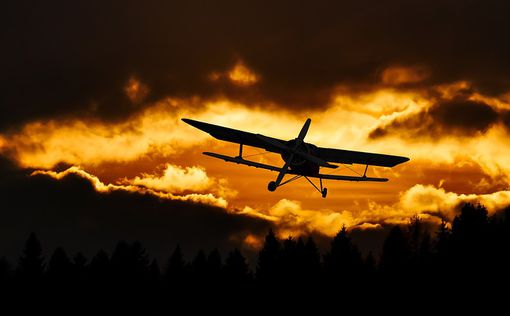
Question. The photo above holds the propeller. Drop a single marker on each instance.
(293, 151)
(304, 130)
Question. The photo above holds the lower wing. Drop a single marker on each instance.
(242, 161)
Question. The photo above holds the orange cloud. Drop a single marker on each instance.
(397, 75)
(239, 75)
(426, 201)
(254, 242)
(102, 187)
(3, 143)
(294, 209)
(291, 219)
(135, 90)
(242, 75)
(177, 179)
(429, 203)
(157, 130)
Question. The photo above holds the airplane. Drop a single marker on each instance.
(301, 159)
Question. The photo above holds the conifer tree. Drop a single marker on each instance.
(269, 259)
(31, 262)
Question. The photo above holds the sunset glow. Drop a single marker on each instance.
(419, 187)
(107, 107)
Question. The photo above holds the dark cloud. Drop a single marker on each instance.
(63, 58)
(506, 119)
(70, 213)
(447, 117)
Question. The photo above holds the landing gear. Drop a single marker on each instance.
(271, 186)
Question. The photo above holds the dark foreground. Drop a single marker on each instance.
(469, 261)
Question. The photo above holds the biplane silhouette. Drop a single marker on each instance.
(301, 159)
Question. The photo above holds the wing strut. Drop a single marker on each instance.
(322, 191)
(240, 151)
(365, 173)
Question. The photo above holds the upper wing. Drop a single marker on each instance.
(275, 145)
(237, 136)
(359, 157)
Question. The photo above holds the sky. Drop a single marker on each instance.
(92, 142)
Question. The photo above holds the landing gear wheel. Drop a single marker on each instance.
(271, 186)
(324, 192)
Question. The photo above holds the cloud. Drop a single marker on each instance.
(74, 59)
(74, 210)
(177, 179)
(430, 203)
(177, 171)
(56, 197)
(135, 90)
(291, 219)
(158, 129)
(206, 198)
(241, 75)
(461, 117)
(413, 124)
(399, 75)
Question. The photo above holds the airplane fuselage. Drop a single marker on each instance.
(299, 164)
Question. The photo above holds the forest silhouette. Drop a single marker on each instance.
(473, 249)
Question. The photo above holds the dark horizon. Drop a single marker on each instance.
(413, 259)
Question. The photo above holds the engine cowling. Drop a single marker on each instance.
(299, 163)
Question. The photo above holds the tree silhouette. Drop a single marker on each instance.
(59, 269)
(471, 225)
(290, 261)
(469, 240)
(370, 265)
(129, 265)
(214, 266)
(99, 268)
(395, 255)
(154, 278)
(474, 251)
(269, 259)
(416, 233)
(425, 253)
(31, 262)
(236, 269)
(175, 270)
(199, 270)
(311, 260)
(130, 277)
(419, 244)
(154, 271)
(443, 236)
(343, 261)
(5, 273)
(79, 268)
